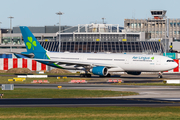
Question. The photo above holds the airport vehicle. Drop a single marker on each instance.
(97, 63)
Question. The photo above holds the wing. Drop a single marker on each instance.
(79, 63)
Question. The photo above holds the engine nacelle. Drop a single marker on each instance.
(134, 73)
(99, 70)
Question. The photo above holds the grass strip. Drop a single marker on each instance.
(92, 113)
(61, 93)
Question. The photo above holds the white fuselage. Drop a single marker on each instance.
(123, 62)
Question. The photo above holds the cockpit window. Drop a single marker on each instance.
(170, 60)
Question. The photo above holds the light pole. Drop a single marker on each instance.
(103, 19)
(0, 31)
(59, 13)
(10, 30)
(165, 33)
(0, 25)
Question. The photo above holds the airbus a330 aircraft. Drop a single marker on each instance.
(97, 63)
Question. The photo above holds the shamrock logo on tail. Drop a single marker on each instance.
(31, 43)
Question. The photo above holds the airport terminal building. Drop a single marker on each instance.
(84, 38)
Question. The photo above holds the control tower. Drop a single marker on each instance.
(158, 14)
(154, 27)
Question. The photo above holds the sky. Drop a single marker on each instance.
(43, 12)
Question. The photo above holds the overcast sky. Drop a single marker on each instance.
(42, 12)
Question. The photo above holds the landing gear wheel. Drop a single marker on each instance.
(85, 75)
(82, 75)
(159, 76)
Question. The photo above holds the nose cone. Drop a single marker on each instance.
(174, 65)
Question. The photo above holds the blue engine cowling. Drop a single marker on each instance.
(100, 70)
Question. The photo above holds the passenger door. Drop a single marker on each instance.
(127, 60)
(158, 61)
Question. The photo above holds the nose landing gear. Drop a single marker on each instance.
(160, 75)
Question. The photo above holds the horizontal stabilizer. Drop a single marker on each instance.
(25, 53)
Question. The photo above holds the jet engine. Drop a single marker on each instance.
(100, 70)
(134, 73)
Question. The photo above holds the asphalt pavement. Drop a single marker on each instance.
(86, 102)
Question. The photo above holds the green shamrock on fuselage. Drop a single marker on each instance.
(31, 43)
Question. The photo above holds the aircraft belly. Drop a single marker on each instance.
(137, 66)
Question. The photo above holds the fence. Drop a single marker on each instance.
(8, 63)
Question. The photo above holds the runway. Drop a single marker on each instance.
(86, 102)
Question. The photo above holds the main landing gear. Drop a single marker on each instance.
(160, 75)
(85, 75)
(89, 75)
